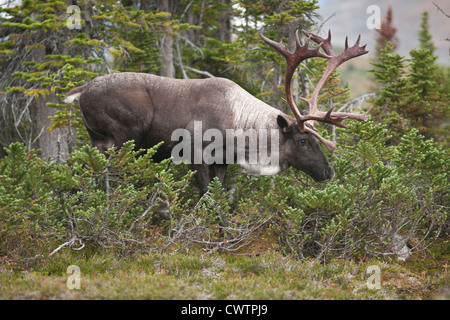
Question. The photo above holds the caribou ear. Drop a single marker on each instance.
(283, 124)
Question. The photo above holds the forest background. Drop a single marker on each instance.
(61, 200)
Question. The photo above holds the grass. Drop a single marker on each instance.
(196, 275)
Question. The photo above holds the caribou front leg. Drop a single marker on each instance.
(202, 177)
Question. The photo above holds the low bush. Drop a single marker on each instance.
(384, 200)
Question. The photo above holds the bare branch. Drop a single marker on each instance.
(205, 73)
(69, 243)
(440, 9)
(180, 61)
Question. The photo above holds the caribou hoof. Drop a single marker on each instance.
(164, 210)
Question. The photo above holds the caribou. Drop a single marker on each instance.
(148, 109)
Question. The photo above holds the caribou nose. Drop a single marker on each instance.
(325, 176)
(329, 174)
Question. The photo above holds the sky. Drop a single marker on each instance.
(349, 17)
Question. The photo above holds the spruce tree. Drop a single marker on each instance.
(35, 31)
(42, 59)
(425, 38)
(389, 74)
(424, 103)
(386, 33)
(256, 66)
(425, 107)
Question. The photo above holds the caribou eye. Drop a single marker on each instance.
(303, 141)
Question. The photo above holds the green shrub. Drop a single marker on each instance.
(382, 199)
(104, 200)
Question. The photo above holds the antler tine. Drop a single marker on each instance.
(326, 43)
(351, 52)
(330, 145)
(277, 45)
(293, 60)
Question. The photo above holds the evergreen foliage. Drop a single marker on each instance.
(389, 74)
(425, 38)
(391, 184)
(386, 33)
(380, 193)
(427, 103)
(412, 94)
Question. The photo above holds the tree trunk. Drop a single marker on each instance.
(52, 143)
(224, 21)
(168, 69)
(192, 34)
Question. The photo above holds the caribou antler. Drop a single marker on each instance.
(304, 52)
